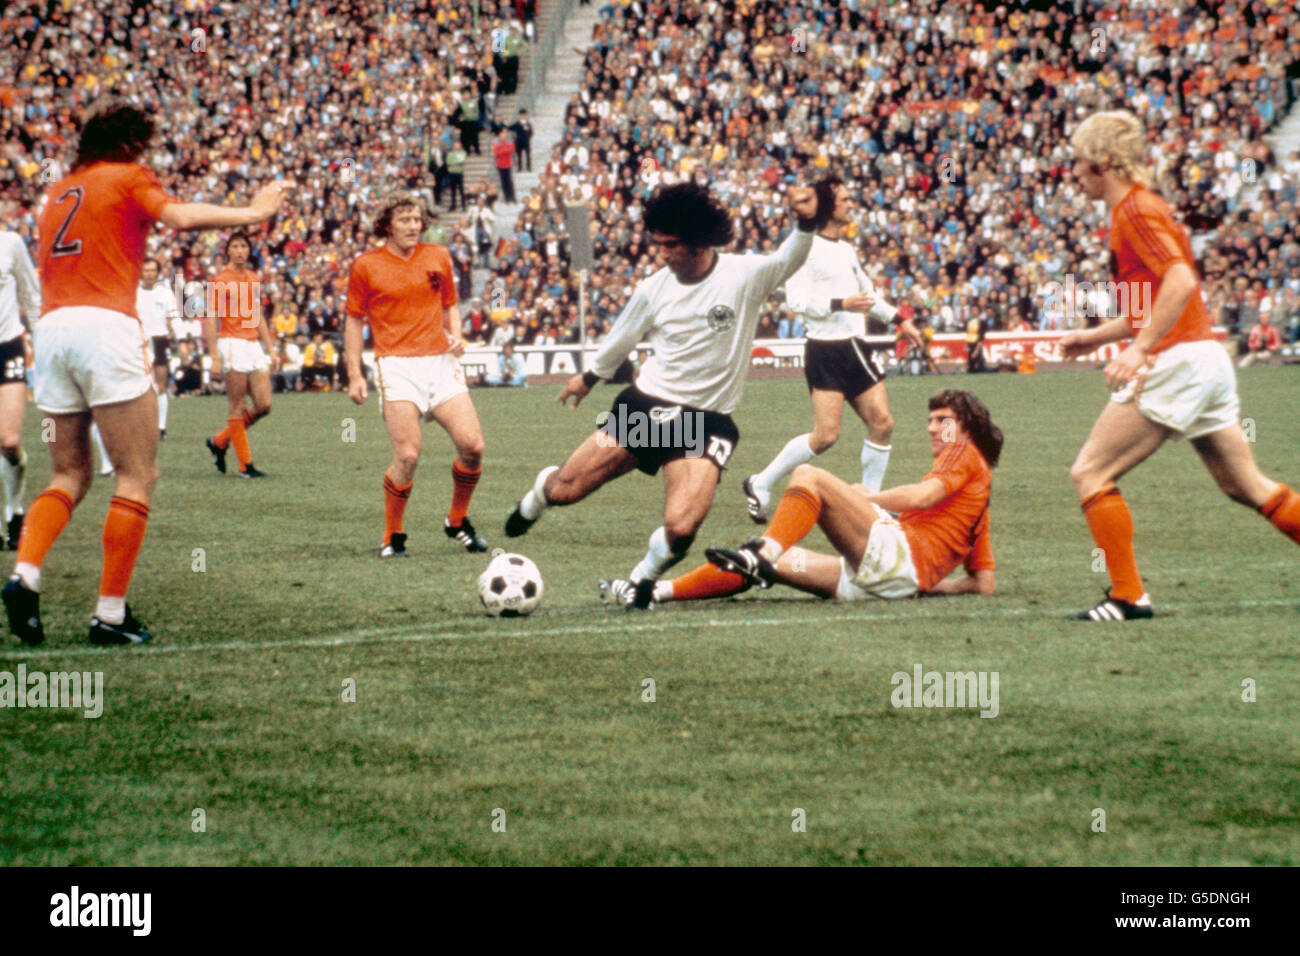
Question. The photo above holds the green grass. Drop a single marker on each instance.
(764, 703)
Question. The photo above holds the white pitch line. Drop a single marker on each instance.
(416, 633)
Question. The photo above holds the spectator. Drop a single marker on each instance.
(522, 128)
(1264, 341)
(510, 370)
(291, 355)
(187, 379)
(319, 361)
(456, 157)
(503, 151)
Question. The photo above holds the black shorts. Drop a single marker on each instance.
(848, 366)
(161, 350)
(657, 431)
(13, 366)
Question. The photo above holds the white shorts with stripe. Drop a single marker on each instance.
(88, 356)
(1190, 388)
(886, 571)
(424, 380)
(242, 355)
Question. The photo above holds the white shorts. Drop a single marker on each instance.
(424, 380)
(1190, 388)
(88, 356)
(242, 355)
(886, 571)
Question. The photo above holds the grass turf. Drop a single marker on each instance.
(764, 704)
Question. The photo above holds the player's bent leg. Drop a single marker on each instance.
(872, 407)
(828, 410)
(1121, 439)
(596, 461)
(1231, 461)
(458, 416)
(130, 432)
(809, 571)
(13, 460)
(259, 387)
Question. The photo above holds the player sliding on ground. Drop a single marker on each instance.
(235, 301)
(92, 360)
(943, 522)
(407, 289)
(833, 295)
(1172, 381)
(699, 313)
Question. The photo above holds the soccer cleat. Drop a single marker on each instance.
(757, 501)
(130, 631)
(396, 547)
(644, 597)
(218, 456)
(747, 561)
(249, 471)
(23, 606)
(465, 534)
(1113, 609)
(15, 530)
(516, 523)
(617, 591)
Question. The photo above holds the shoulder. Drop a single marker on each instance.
(1142, 206)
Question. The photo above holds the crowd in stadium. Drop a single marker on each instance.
(948, 122)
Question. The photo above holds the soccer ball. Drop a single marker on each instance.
(511, 586)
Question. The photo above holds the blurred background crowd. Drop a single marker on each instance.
(949, 123)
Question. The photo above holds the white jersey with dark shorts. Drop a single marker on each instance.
(18, 284)
(156, 307)
(702, 334)
(837, 357)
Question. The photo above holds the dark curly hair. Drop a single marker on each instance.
(115, 132)
(390, 205)
(689, 212)
(825, 190)
(973, 415)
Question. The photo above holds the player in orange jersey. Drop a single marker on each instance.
(235, 300)
(407, 291)
(1172, 381)
(943, 522)
(92, 358)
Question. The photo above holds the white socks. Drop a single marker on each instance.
(795, 453)
(657, 560)
(875, 459)
(29, 574)
(111, 610)
(534, 503)
(162, 415)
(15, 481)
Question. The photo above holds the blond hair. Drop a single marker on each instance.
(1115, 137)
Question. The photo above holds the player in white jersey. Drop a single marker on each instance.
(156, 304)
(834, 294)
(18, 284)
(699, 313)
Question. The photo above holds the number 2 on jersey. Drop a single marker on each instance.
(73, 248)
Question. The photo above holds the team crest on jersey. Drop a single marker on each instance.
(721, 318)
(435, 280)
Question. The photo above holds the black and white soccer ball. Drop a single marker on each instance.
(511, 586)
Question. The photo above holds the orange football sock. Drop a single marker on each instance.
(706, 581)
(795, 516)
(222, 438)
(1112, 529)
(239, 438)
(1282, 510)
(463, 483)
(395, 497)
(123, 533)
(46, 518)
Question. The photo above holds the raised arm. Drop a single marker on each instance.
(188, 216)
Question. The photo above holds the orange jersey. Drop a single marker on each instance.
(956, 530)
(1145, 242)
(92, 232)
(235, 298)
(405, 299)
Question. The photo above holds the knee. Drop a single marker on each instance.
(559, 491)
(408, 456)
(680, 529)
(471, 453)
(823, 438)
(1087, 480)
(805, 476)
(261, 409)
(10, 445)
(882, 428)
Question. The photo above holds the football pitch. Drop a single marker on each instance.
(751, 731)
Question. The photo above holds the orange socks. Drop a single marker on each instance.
(395, 497)
(795, 516)
(1282, 510)
(462, 489)
(239, 439)
(46, 518)
(706, 581)
(1112, 529)
(222, 438)
(123, 533)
